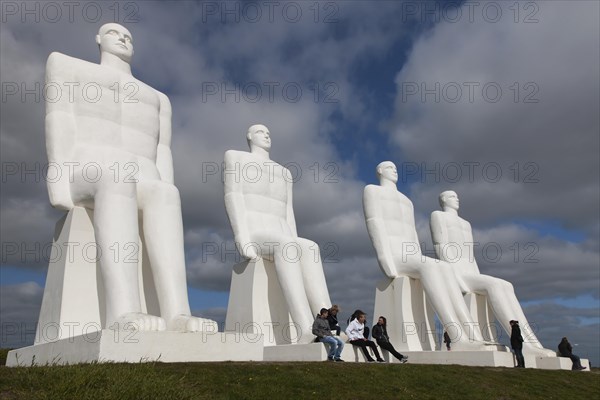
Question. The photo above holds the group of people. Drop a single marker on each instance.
(358, 335)
(564, 348)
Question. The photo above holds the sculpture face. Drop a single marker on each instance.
(259, 136)
(450, 200)
(115, 39)
(387, 170)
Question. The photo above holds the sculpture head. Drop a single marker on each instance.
(386, 170)
(258, 136)
(115, 39)
(449, 200)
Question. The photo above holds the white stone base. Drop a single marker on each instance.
(311, 352)
(133, 347)
(468, 358)
(559, 363)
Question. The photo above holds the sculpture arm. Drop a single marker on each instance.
(60, 137)
(439, 233)
(164, 157)
(378, 233)
(236, 209)
(290, 206)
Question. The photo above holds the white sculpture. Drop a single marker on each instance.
(111, 140)
(391, 225)
(258, 200)
(453, 242)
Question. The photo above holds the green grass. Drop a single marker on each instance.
(291, 381)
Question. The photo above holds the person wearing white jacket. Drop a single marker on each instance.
(355, 332)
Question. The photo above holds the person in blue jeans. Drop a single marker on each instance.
(323, 333)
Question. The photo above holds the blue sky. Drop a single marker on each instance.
(499, 104)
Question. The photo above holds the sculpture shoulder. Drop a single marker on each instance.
(234, 155)
(165, 103)
(437, 215)
(65, 62)
(371, 190)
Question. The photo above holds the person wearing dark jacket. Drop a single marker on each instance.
(334, 325)
(321, 330)
(447, 340)
(380, 334)
(566, 350)
(516, 342)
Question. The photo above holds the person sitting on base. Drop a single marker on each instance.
(323, 333)
(355, 332)
(383, 340)
(334, 325)
(566, 350)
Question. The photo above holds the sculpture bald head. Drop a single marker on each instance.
(386, 170)
(449, 199)
(259, 136)
(115, 39)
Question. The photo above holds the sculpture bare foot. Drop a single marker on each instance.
(188, 323)
(136, 321)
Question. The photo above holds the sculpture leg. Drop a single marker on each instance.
(290, 278)
(314, 276)
(163, 234)
(444, 293)
(116, 230)
(506, 307)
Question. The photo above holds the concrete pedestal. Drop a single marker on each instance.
(410, 317)
(257, 305)
(134, 346)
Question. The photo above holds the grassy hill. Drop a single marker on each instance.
(292, 381)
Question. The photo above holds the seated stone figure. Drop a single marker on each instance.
(113, 147)
(258, 200)
(391, 225)
(453, 242)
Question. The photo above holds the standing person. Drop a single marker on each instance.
(516, 342)
(447, 340)
(355, 332)
(321, 329)
(334, 325)
(383, 340)
(566, 350)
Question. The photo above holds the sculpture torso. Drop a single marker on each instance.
(264, 185)
(120, 124)
(457, 247)
(397, 214)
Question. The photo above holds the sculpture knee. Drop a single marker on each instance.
(501, 284)
(158, 192)
(107, 186)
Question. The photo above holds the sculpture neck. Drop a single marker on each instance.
(259, 151)
(451, 211)
(110, 60)
(388, 184)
